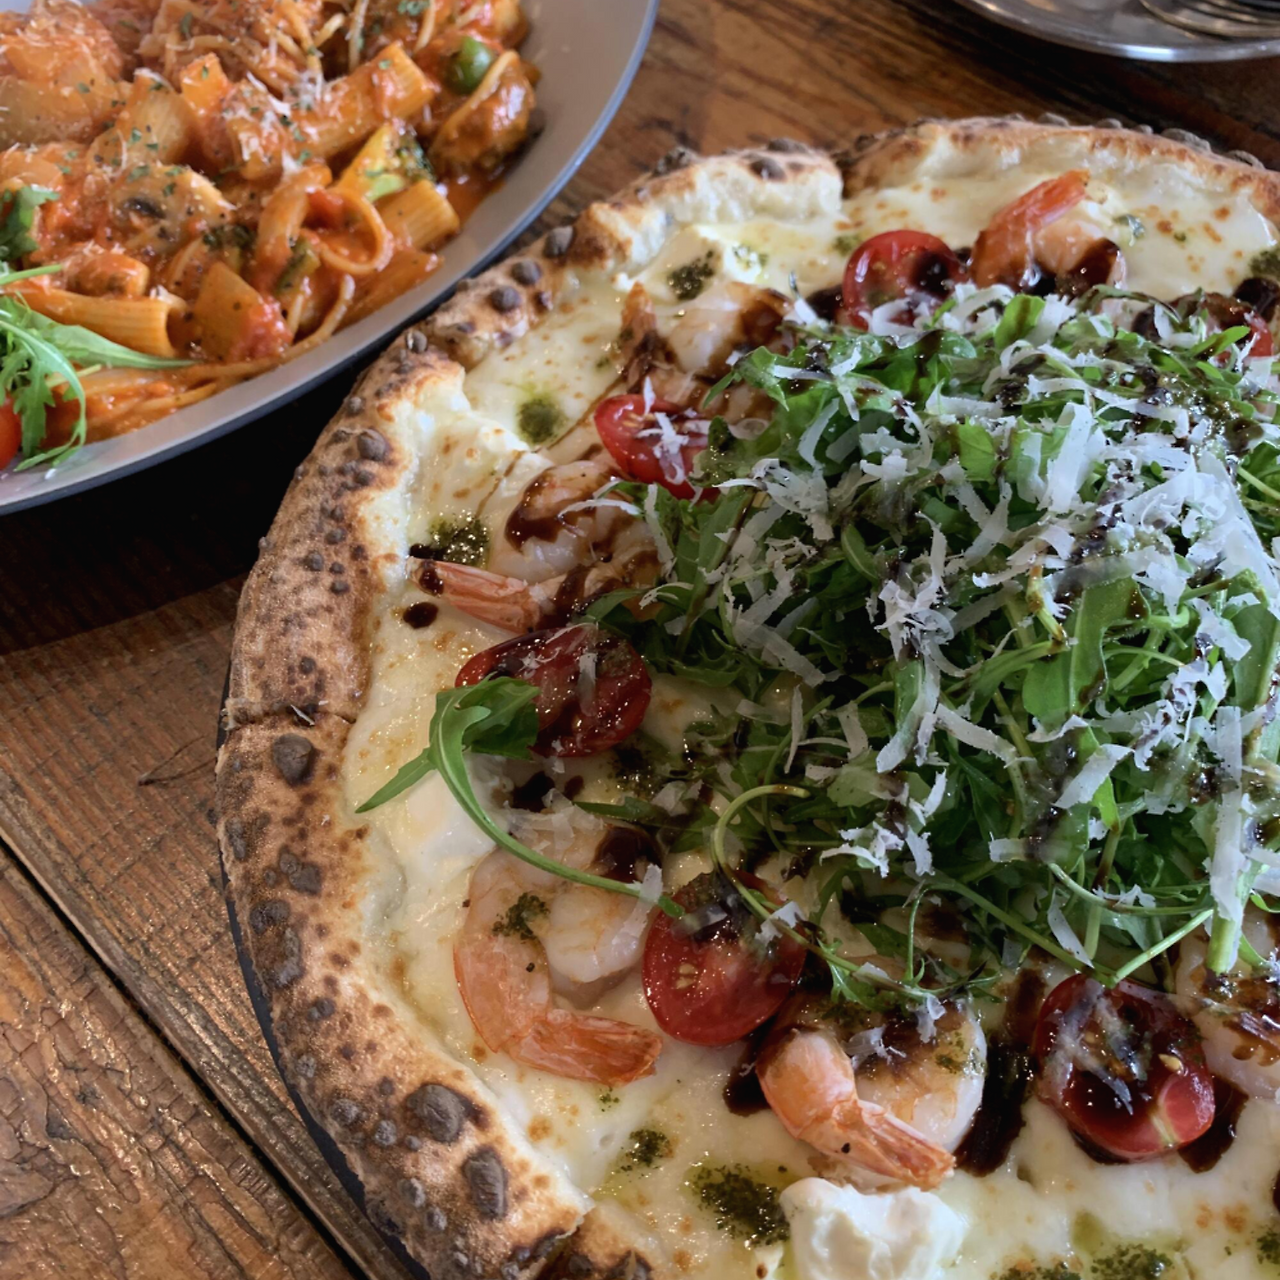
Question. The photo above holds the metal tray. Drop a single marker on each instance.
(588, 52)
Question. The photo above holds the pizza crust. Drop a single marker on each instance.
(442, 1166)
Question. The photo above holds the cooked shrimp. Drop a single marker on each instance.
(645, 355)
(1035, 233)
(560, 551)
(518, 606)
(518, 940)
(895, 1110)
(1237, 1013)
(711, 327)
(556, 523)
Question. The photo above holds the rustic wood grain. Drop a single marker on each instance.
(112, 1161)
(116, 607)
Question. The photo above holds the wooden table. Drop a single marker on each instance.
(144, 1132)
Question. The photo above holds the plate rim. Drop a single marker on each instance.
(1207, 49)
(62, 484)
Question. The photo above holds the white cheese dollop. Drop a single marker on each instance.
(839, 1233)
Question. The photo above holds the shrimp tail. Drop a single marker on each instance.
(810, 1085)
(881, 1143)
(582, 1047)
(509, 603)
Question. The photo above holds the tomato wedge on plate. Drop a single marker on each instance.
(593, 687)
(648, 449)
(1123, 1068)
(710, 977)
(10, 433)
(912, 266)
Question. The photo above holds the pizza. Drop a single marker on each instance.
(751, 743)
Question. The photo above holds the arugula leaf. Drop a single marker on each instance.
(39, 357)
(17, 217)
(1060, 686)
(495, 717)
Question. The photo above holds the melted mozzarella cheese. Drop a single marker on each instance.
(1049, 1202)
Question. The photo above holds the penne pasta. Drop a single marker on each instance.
(420, 216)
(139, 323)
(357, 104)
(234, 320)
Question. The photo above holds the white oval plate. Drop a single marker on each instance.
(588, 52)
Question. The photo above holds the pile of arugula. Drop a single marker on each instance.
(41, 359)
(992, 615)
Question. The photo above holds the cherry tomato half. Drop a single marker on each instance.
(1223, 312)
(918, 268)
(644, 451)
(1228, 313)
(593, 687)
(1123, 1068)
(710, 978)
(10, 434)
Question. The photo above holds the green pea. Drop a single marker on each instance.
(469, 64)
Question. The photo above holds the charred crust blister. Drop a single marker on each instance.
(345, 1112)
(266, 915)
(486, 1177)
(444, 1112)
(767, 168)
(372, 445)
(557, 242)
(504, 298)
(525, 272)
(676, 158)
(294, 756)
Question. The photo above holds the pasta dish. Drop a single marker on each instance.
(193, 191)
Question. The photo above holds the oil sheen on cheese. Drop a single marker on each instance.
(1049, 1203)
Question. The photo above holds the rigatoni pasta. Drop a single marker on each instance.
(228, 181)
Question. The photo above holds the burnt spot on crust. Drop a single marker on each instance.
(372, 445)
(242, 836)
(443, 1111)
(767, 168)
(385, 1133)
(504, 298)
(412, 1192)
(345, 1112)
(293, 756)
(676, 158)
(355, 406)
(267, 915)
(785, 146)
(289, 969)
(415, 340)
(522, 1255)
(321, 1009)
(303, 876)
(525, 272)
(557, 242)
(314, 561)
(486, 1177)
